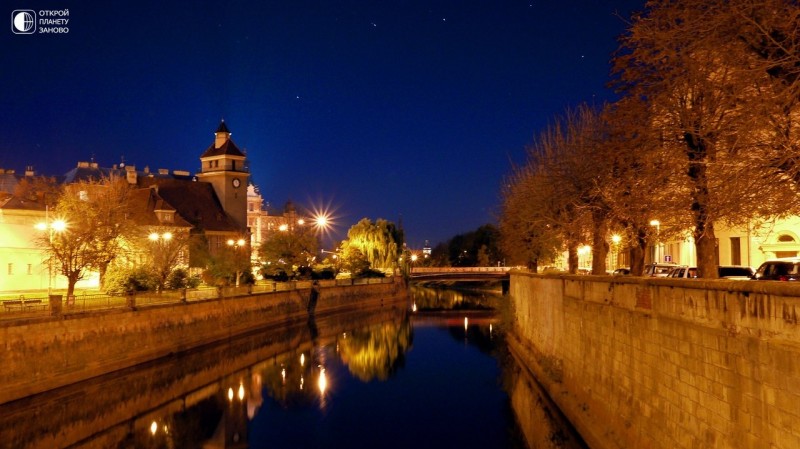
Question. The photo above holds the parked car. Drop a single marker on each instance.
(658, 270)
(683, 272)
(621, 272)
(735, 272)
(779, 270)
(724, 272)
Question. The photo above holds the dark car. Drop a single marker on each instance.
(735, 272)
(779, 270)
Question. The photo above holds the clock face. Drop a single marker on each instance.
(236, 182)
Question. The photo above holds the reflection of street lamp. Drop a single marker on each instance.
(657, 224)
(236, 244)
(55, 226)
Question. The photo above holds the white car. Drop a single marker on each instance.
(658, 270)
(724, 272)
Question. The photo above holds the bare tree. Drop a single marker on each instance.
(698, 82)
(165, 248)
(525, 236)
(96, 217)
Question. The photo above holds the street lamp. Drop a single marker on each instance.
(51, 227)
(155, 236)
(615, 239)
(236, 244)
(657, 224)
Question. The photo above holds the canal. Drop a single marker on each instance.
(438, 376)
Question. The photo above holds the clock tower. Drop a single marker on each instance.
(223, 165)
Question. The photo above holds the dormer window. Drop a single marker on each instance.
(165, 216)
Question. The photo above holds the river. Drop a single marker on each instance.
(436, 377)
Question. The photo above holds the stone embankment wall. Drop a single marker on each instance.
(48, 352)
(662, 363)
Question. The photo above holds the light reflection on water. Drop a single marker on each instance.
(387, 379)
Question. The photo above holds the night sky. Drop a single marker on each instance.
(411, 110)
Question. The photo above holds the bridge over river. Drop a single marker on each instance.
(462, 274)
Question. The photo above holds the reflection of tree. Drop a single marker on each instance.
(447, 299)
(376, 352)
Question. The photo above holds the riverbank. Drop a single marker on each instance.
(664, 363)
(47, 352)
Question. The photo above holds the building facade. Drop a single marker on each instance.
(211, 204)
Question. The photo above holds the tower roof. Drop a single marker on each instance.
(222, 127)
(226, 149)
(223, 145)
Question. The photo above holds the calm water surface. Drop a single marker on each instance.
(434, 378)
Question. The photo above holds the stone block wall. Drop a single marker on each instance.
(43, 353)
(663, 363)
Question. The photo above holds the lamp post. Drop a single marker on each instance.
(51, 227)
(657, 224)
(236, 244)
(615, 239)
(162, 255)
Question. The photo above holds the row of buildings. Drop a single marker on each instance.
(219, 202)
(751, 245)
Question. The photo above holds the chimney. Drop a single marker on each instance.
(130, 174)
(29, 171)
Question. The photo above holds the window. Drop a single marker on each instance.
(30, 269)
(786, 238)
(736, 251)
(10, 268)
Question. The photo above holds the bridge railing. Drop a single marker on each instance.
(429, 270)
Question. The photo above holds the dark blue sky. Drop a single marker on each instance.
(411, 109)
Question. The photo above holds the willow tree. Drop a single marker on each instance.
(379, 242)
(683, 60)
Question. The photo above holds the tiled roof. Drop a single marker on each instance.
(195, 202)
(144, 203)
(8, 201)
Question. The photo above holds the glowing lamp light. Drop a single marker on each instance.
(616, 238)
(230, 394)
(322, 383)
(240, 393)
(153, 427)
(283, 227)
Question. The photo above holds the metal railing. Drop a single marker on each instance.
(19, 306)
